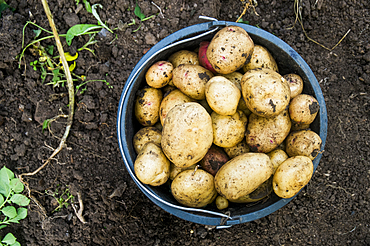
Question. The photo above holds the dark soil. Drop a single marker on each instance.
(332, 210)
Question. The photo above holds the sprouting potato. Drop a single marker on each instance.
(159, 74)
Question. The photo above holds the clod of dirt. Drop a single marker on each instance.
(71, 19)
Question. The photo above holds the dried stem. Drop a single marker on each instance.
(71, 101)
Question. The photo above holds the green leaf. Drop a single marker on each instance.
(1, 199)
(16, 185)
(3, 6)
(22, 213)
(241, 21)
(9, 211)
(45, 124)
(16, 244)
(96, 15)
(138, 12)
(3, 226)
(78, 30)
(50, 49)
(9, 239)
(37, 33)
(5, 172)
(88, 6)
(20, 200)
(4, 188)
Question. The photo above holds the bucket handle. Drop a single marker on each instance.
(226, 217)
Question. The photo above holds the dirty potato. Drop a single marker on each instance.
(191, 80)
(304, 143)
(295, 83)
(230, 49)
(147, 105)
(292, 175)
(238, 149)
(187, 134)
(159, 74)
(183, 57)
(145, 135)
(265, 92)
(214, 159)
(261, 58)
(303, 109)
(277, 156)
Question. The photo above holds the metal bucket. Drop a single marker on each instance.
(289, 61)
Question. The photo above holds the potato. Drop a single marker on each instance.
(202, 55)
(167, 89)
(261, 58)
(151, 165)
(238, 149)
(258, 194)
(194, 188)
(184, 57)
(295, 83)
(214, 159)
(191, 80)
(265, 92)
(292, 175)
(265, 134)
(221, 202)
(147, 105)
(228, 130)
(222, 95)
(297, 126)
(303, 109)
(304, 143)
(174, 98)
(277, 157)
(242, 175)
(187, 134)
(145, 135)
(235, 78)
(230, 49)
(159, 74)
(174, 170)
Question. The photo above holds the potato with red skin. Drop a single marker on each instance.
(214, 160)
(265, 92)
(303, 109)
(145, 135)
(183, 57)
(202, 56)
(230, 49)
(295, 83)
(147, 106)
(292, 175)
(303, 143)
(191, 80)
(265, 134)
(159, 74)
(261, 58)
(174, 98)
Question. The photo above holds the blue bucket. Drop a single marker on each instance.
(289, 61)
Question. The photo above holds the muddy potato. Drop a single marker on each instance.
(151, 165)
(242, 175)
(228, 130)
(147, 105)
(277, 156)
(174, 98)
(304, 143)
(261, 58)
(191, 80)
(194, 188)
(238, 149)
(174, 170)
(265, 92)
(222, 95)
(258, 194)
(295, 84)
(265, 134)
(184, 57)
(297, 126)
(292, 175)
(303, 109)
(221, 203)
(159, 74)
(187, 134)
(145, 135)
(214, 159)
(230, 49)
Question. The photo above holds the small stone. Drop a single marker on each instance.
(150, 39)
(71, 19)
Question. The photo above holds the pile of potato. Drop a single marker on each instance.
(221, 122)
